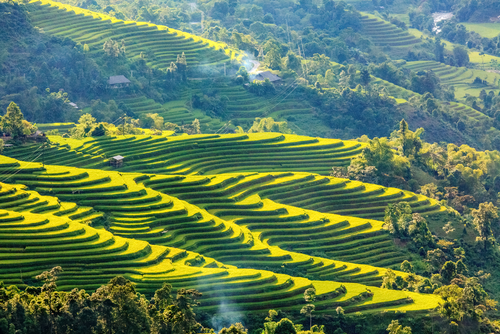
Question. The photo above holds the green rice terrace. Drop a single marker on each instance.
(242, 106)
(61, 127)
(173, 112)
(489, 30)
(162, 44)
(260, 212)
(461, 78)
(386, 34)
(200, 154)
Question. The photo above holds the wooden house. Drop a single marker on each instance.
(116, 161)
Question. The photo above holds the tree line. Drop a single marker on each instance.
(118, 308)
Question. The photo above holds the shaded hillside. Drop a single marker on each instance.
(159, 44)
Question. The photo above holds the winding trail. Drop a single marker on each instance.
(438, 17)
(255, 64)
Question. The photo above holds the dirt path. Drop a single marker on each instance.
(438, 17)
(255, 64)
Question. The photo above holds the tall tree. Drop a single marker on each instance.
(292, 62)
(397, 214)
(124, 308)
(285, 326)
(448, 271)
(180, 316)
(395, 328)
(51, 300)
(461, 56)
(309, 297)
(365, 77)
(273, 58)
(112, 48)
(182, 66)
(410, 143)
(12, 122)
(439, 50)
(234, 329)
(484, 217)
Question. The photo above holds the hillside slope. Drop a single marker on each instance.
(43, 231)
(461, 78)
(386, 34)
(199, 154)
(161, 44)
(160, 219)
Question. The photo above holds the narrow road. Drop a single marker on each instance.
(440, 17)
(255, 64)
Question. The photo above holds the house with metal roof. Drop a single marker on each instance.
(267, 75)
(116, 161)
(118, 81)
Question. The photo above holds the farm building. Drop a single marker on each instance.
(118, 81)
(267, 75)
(116, 161)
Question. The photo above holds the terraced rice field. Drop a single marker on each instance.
(242, 107)
(383, 33)
(161, 43)
(392, 89)
(239, 195)
(474, 56)
(61, 127)
(488, 30)
(304, 190)
(42, 227)
(246, 106)
(402, 94)
(466, 112)
(460, 77)
(173, 112)
(263, 203)
(200, 154)
(90, 257)
(146, 214)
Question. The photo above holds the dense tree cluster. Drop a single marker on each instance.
(464, 182)
(42, 74)
(466, 303)
(457, 33)
(212, 103)
(453, 31)
(14, 125)
(117, 308)
(33, 62)
(113, 308)
(464, 176)
(352, 113)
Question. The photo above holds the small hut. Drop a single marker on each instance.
(116, 161)
(267, 75)
(118, 81)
